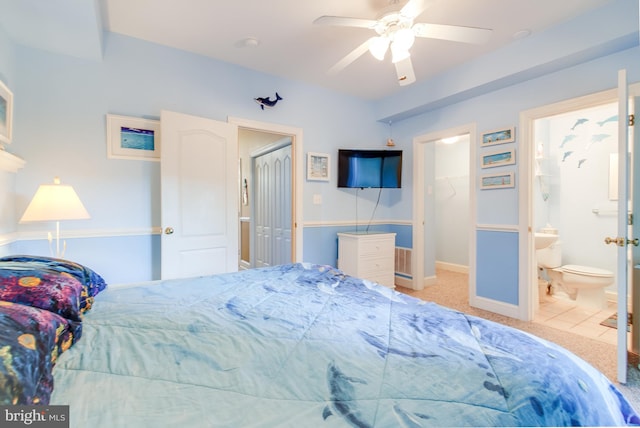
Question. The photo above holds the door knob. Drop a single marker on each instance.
(168, 231)
(618, 241)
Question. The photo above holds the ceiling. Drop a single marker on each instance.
(287, 42)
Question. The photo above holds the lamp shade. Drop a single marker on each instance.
(54, 202)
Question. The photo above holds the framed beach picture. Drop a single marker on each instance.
(499, 158)
(497, 181)
(318, 166)
(499, 136)
(6, 113)
(133, 138)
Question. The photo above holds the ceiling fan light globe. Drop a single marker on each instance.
(404, 38)
(378, 47)
(398, 54)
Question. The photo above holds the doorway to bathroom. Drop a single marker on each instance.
(574, 181)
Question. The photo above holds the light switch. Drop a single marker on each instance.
(317, 199)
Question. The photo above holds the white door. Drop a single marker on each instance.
(273, 188)
(199, 196)
(263, 202)
(625, 227)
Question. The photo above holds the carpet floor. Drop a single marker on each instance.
(452, 290)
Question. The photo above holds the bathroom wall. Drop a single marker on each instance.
(572, 183)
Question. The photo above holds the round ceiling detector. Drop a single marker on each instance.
(250, 42)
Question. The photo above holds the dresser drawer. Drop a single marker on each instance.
(374, 266)
(376, 248)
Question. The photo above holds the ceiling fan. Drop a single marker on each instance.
(396, 32)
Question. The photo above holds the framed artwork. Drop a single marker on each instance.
(318, 166)
(6, 113)
(499, 158)
(497, 181)
(499, 136)
(133, 138)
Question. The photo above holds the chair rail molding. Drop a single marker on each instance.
(10, 162)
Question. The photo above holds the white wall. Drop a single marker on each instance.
(576, 168)
(452, 202)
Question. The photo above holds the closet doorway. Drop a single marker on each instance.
(444, 205)
(269, 184)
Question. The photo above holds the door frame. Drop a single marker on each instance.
(527, 266)
(417, 253)
(297, 174)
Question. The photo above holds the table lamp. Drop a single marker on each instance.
(55, 202)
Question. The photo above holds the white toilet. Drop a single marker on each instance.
(583, 284)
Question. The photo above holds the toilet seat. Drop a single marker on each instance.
(587, 271)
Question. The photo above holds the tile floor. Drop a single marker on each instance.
(564, 314)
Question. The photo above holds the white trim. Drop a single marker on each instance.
(351, 223)
(297, 149)
(429, 281)
(403, 282)
(418, 215)
(495, 306)
(498, 227)
(8, 238)
(85, 233)
(10, 162)
(452, 267)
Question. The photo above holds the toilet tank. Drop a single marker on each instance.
(550, 257)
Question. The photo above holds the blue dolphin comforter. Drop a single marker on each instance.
(307, 346)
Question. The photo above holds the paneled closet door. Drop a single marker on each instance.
(273, 187)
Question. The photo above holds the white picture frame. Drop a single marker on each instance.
(6, 114)
(498, 158)
(497, 181)
(499, 136)
(133, 138)
(318, 166)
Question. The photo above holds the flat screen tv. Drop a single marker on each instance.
(370, 168)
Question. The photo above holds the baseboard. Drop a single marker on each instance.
(452, 267)
(408, 282)
(494, 306)
(403, 281)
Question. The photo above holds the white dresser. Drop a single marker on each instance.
(368, 255)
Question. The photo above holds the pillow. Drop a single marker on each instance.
(52, 291)
(32, 339)
(92, 282)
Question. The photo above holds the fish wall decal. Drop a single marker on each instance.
(566, 155)
(568, 138)
(579, 122)
(610, 119)
(267, 102)
(596, 139)
(580, 162)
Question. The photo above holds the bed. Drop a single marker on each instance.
(306, 345)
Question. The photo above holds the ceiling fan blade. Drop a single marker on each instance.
(453, 32)
(404, 71)
(413, 8)
(350, 57)
(343, 21)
